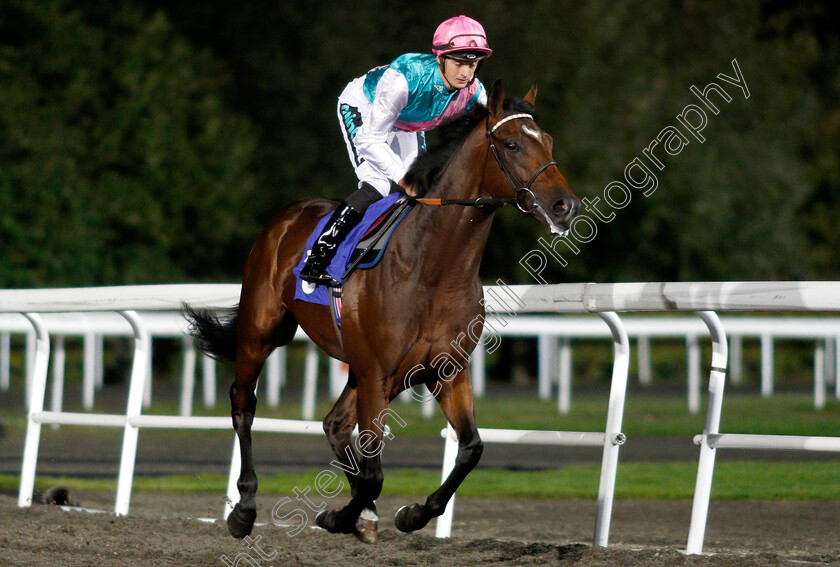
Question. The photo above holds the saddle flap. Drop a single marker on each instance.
(368, 251)
(363, 247)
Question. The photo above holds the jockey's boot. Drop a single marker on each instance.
(323, 251)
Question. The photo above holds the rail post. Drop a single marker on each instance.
(614, 438)
(706, 464)
(139, 376)
(37, 393)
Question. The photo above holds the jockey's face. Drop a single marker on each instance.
(456, 74)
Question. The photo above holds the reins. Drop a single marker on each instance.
(521, 189)
(479, 202)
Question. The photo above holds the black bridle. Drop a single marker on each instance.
(522, 190)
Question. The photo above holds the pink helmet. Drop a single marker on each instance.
(461, 38)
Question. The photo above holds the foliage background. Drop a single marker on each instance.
(144, 141)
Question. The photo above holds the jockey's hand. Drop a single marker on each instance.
(408, 188)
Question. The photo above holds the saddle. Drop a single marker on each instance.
(362, 249)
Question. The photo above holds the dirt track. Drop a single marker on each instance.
(162, 531)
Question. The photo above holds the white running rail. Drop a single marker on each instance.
(603, 299)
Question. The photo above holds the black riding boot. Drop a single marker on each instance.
(346, 216)
(323, 251)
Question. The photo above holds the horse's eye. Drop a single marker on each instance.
(511, 147)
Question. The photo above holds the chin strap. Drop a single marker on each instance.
(442, 70)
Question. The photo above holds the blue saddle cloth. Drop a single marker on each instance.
(385, 213)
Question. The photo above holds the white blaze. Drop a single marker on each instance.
(532, 132)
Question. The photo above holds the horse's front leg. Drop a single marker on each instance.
(367, 467)
(456, 400)
(243, 407)
(338, 426)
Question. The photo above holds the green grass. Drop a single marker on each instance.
(732, 481)
(644, 414)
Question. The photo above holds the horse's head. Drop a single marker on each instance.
(523, 164)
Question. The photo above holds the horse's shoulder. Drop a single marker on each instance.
(314, 207)
(298, 216)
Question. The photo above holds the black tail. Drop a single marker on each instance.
(214, 335)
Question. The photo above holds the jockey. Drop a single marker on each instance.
(383, 115)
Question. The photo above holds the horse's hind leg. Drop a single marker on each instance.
(338, 425)
(456, 400)
(243, 403)
(254, 344)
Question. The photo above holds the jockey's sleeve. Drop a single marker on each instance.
(371, 139)
(482, 96)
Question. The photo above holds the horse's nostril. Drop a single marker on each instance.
(563, 207)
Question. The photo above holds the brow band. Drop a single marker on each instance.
(508, 118)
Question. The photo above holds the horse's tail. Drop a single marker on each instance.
(214, 335)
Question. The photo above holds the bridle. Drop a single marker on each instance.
(522, 190)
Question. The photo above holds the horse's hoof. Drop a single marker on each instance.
(367, 525)
(335, 521)
(326, 520)
(321, 519)
(241, 521)
(410, 518)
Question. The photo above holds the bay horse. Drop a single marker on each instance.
(397, 317)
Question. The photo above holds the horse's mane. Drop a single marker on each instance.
(450, 135)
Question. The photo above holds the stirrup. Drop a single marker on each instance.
(318, 276)
(326, 279)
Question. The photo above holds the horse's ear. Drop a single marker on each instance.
(496, 98)
(531, 96)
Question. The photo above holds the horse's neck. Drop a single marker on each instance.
(450, 239)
